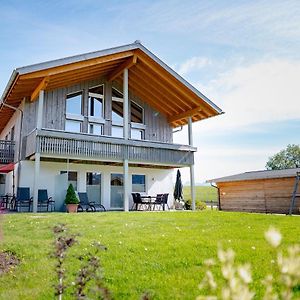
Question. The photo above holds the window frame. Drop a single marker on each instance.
(139, 174)
(75, 117)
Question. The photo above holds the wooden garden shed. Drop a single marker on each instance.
(268, 191)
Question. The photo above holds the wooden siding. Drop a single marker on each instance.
(157, 126)
(69, 145)
(267, 195)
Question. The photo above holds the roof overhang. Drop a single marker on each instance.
(149, 78)
(258, 175)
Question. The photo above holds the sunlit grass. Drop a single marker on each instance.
(158, 252)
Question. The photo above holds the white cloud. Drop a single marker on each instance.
(192, 64)
(262, 92)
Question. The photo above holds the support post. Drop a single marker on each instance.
(125, 135)
(192, 169)
(126, 184)
(37, 164)
(125, 105)
(39, 123)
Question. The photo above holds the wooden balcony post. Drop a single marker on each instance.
(192, 170)
(39, 122)
(125, 135)
(125, 105)
(37, 164)
(126, 184)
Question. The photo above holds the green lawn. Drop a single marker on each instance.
(203, 193)
(158, 252)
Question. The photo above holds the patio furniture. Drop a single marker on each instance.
(89, 206)
(161, 200)
(44, 201)
(23, 198)
(7, 202)
(139, 200)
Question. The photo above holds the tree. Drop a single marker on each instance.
(285, 159)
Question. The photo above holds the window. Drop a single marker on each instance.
(12, 133)
(72, 178)
(96, 103)
(74, 104)
(137, 134)
(138, 183)
(117, 106)
(136, 118)
(93, 186)
(96, 129)
(137, 113)
(73, 126)
(116, 191)
(74, 117)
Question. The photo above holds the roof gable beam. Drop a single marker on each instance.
(184, 115)
(42, 85)
(78, 65)
(126, 65)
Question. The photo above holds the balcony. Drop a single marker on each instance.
(7, 152)
(59, 144)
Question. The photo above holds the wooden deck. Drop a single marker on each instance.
(51, 143)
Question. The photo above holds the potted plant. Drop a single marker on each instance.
(71, 200)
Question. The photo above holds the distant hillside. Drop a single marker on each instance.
(203, 193)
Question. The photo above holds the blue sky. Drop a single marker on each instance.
(244, 55)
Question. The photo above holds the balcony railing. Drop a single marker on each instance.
(7, 152)
(82, 146)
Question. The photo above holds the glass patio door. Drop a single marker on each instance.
(116, 191)
(93, 187)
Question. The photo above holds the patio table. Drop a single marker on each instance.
(151, 199)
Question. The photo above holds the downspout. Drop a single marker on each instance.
(219, 199)
(20, 137)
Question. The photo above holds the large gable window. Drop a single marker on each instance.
(136, 117)
(96, 110)
(74, 116)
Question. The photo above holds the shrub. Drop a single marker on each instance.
(71, 197)
(199, 204)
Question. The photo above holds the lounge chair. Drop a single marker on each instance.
(23, 198)
(44, 201)
(89, 206)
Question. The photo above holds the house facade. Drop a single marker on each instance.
(103, 121)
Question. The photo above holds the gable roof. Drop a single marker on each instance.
(149, 78)
(255, 175)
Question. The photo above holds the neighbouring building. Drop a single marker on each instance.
(102, 121)
(268, 191)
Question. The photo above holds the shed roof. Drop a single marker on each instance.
(255, 175)
(149, 78)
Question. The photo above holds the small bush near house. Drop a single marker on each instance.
(199, 205)
(71, 197)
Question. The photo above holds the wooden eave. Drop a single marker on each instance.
(149, 79)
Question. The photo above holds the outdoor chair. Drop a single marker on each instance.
(139, 201)
(89, 206)
(44, 201)
(161, 200)
(158, 201)
(23, 198)
(165, 201)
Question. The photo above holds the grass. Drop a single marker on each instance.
(203, 193)
(158, 252)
